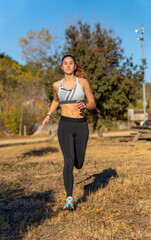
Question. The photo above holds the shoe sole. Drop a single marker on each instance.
(69, 208)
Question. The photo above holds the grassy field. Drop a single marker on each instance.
(112, 192)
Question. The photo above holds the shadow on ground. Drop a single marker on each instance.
(100, 181)
(18, 212)
(40, 152)
(145, 139)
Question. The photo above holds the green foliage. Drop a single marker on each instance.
(114, 80)
(19, 91)
(11, 118)
(105, 123)
(8, 72)
(139, 104)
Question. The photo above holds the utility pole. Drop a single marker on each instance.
(143, 64)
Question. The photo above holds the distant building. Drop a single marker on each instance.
(137, 115)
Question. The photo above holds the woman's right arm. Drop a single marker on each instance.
(54, 103)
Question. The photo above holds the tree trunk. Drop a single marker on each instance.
(25, 130)
(100, 131)
(21, 122)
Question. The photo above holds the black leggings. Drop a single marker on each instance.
(73, 135)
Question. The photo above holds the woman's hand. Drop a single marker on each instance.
(45, 121)
(81, 105)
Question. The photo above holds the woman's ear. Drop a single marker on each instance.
(75, 67)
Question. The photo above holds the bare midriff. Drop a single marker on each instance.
(71, 110)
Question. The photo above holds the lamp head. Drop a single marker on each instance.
(137, 30)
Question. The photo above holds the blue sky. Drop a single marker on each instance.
(17, 17)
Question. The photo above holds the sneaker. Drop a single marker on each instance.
(69, 204)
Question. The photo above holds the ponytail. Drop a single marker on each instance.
(80, 72)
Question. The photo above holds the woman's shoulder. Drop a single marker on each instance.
(56, 84)
(82, 81)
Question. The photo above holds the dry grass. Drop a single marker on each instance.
(112, 193)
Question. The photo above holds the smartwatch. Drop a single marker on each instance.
(85, 105)
(49, 114)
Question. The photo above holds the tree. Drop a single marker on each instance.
(41, 58)
(11, 77)
(113, 78)
(20, 96)
(36, 47)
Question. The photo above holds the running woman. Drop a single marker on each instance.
(73, 130)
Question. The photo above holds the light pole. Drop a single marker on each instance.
(143, 64)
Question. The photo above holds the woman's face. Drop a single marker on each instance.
(68, 65)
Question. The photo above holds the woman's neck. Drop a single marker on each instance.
(69, 77)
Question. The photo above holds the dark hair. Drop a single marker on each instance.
(68, 55)
(79, 71)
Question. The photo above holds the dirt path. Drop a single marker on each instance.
(25, 140)
(28, 140)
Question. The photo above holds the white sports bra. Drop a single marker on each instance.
(68, 96)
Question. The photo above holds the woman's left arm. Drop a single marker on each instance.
(89, 95)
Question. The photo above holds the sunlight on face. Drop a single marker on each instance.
(68, 60)
(68, 65)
